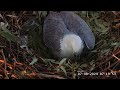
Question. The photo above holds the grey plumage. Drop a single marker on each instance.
(56, 25)
(53, 31)
(77, 25)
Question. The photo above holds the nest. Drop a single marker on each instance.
(35, 62)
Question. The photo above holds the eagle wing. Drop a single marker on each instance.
(53, 31)
(77, 25)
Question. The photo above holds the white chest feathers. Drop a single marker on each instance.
(71, 44)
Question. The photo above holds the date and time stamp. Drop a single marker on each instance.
(95, 73)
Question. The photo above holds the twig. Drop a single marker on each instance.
(46, 75)
(110, 66)
(113, 63)
(108, 59)
(116, 57)
(114, 12)
(50, 76)
(5, 63)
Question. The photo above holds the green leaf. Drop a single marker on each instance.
(115, 44)
(33, 61)
(93, 67)
(44, 13)
(62, 61)
(92, 62)
(63, 69)
(4, 32)
(51, 60)
(84, 12)
(84, 65)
